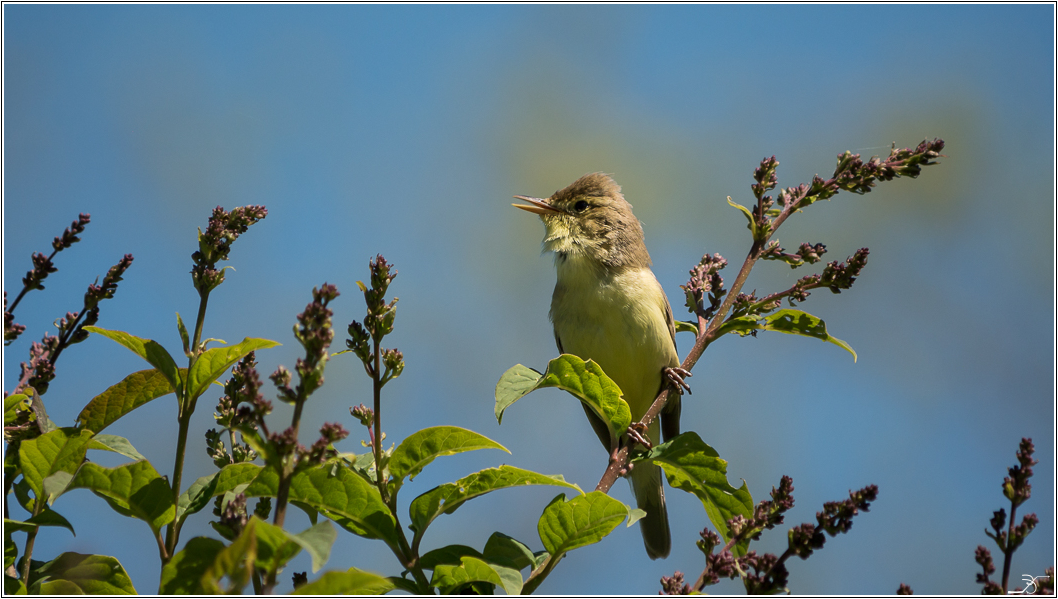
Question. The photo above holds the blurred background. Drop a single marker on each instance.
(405, 130)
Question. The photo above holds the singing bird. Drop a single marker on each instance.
(609, 307)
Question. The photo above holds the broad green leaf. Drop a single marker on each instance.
(317, 541)
(581, 521)
(693, 466)
(134, 489)
(449, 578)
(61, 450)
(449, 554)
(274, 546)
(76, 573)
(50, 517)
(585, 380)
(446, 498)
(13, 404)
(350, 582)
(116, 444)
(507, 551)
(183, 574)
(149, 350)
(212, 363)
(235, 475)
(353, 503)
(234, 562)
(10, 549)
(749, 216)
(404, 584)
(421, 447)
(791, 322)
(132, 392)
(196, 497)
(13, 586)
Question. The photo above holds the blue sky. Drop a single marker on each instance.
(404, 130)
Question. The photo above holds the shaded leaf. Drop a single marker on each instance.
(183, 574)
(420, 448)
(212, 363)
(317, 541)
(149, 350)
(686, 326)
(584, 380)
(77, 573)
(449, 554)
(135, 490)
(274, 546)
(116, 444)
(196, 497)
(693, 466)
(446, 498)
(61, 450)
(350, 582)
(353, 503)
(449, 578)
(581, 521)
(507, 551)
(234, 562)
(121, 398)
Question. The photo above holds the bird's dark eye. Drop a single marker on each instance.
(580, 206)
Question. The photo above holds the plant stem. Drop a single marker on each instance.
(186, 409)
(1008, 552)
(376, 385)
(31, 539)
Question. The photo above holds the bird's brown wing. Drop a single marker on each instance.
(670, 416)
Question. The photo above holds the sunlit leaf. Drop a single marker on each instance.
(350, 582)
(149, 350)
(581, 521)
(135, 490)
(212, 363)
(420, 448)
(132, 392)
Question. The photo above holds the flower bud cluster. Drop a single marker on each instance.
(213, 245)
(364, 339)
(705, 279)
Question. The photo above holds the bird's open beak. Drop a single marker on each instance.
(538, 206)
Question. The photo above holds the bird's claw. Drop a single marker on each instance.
(638, 434)
(676, 376)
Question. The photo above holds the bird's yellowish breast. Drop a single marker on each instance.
(618, 320)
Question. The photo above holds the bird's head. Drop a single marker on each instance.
(591, 218)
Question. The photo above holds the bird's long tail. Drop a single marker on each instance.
(650, 497)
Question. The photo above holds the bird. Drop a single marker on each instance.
(609, 307)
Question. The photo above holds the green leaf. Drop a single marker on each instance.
(134, 489)
(132, 392)
(196, 497)
(686, 326)
(149, 350)
(353, 503)
(585, 380)
(507, 551)
(446, 498)
(749, 216)
(184, 339)
(61, 450)
(212, 363)
(236, 475)
(693, 466)
(77, 573)
(235, 562)
(792, 322)
(50, 517)
(13, 405)
(183, 574)
(421, 447)
(449, 554)
(116, 444)
(317, 541)
(581, 521)
(274, 546)
(350, 582)
(450, 578)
